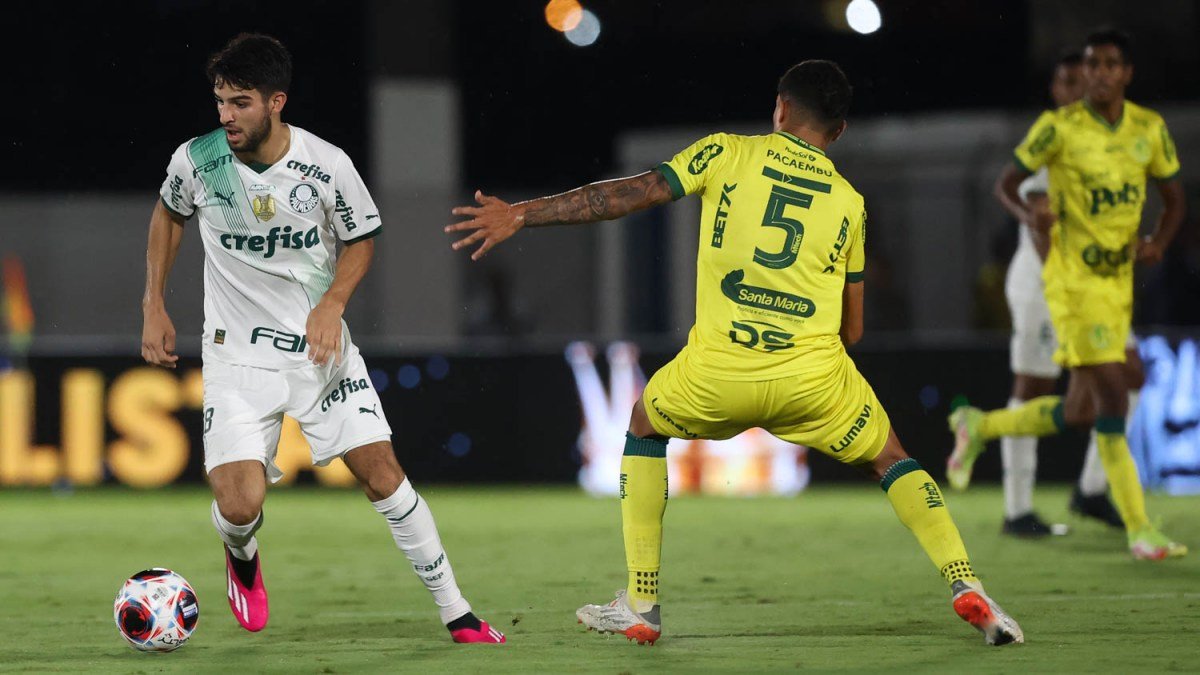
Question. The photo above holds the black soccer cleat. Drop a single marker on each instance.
(1028, 525)
(1098, 507)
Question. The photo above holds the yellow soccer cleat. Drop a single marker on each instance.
(964, 423)
(1150, 544)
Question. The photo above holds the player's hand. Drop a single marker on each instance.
(1041, 219)
(1150, 251)
(324, 333)
(493, 221)
(158, 338)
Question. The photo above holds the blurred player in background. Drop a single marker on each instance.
(1031, 354)
(779, 296)
(1099, 152)
(274, 201)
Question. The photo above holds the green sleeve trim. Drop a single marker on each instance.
(168, 207)
(1169, 177)
(370, 235)
(897, 471)
(645, 447)
(1020, 164)
(855, 277)
(1110, 425)
(672, 180)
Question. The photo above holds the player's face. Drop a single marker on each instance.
(1067, 85)
(245, 114)
(1106, 73)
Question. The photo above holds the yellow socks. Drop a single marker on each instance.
(1037, 417)
(643, 502)
(1122, 473)
(919, 504)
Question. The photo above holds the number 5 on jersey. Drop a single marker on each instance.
(774, 216)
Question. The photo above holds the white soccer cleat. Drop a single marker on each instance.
(618, 617)
(964, 422)
(976, 608)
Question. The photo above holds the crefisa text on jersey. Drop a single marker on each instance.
(310, 170)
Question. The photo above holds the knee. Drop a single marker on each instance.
(382, 484)
(639, 422)
(240, 511)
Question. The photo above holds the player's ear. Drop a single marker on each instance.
(837, 133)
(781, 112)
(276, 102)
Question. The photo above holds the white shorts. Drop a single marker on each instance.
(337, 408)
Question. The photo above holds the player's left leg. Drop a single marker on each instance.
(375, 467)
(1090, 497)
(921, 507)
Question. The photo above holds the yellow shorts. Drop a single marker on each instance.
(834, 411)
(1092, 323)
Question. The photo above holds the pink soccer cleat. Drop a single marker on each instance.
(249, 605)
(485, 634)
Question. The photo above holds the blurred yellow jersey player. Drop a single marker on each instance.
(779, 295)
(1098, 176)
(781, 233)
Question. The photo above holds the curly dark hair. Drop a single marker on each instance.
(252, 61)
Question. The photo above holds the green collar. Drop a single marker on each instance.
(1100, 118)
(258, 167)
(802, 144)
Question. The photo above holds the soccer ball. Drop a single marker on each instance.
(156, 610)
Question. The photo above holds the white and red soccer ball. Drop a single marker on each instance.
(156, 610)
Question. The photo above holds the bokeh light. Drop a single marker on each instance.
(587, 32)
(863, 16)
(563, 15)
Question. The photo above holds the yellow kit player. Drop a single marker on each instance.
(1099, 152)
(779, 295)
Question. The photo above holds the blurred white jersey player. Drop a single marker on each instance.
(1031, 356)
(273, 203)
(752, 463)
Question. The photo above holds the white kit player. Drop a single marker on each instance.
(1032, 350)
(273, 202)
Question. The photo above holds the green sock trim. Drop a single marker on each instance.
(897, 471)
(1060, 422)
(645, 447)
(1110, 425)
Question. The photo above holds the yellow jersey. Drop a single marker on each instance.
(1097, 185)
(781, 232)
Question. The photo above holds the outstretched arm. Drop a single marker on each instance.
(495, 220)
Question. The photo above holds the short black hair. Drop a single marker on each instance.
(820, 88)
(1112, 36)
(252, 61)
(1069, 58)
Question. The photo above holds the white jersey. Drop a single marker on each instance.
(270, 238)
(1025, 270)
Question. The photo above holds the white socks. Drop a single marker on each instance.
(1018, 455)
(1093, 481)
(416, 534)
(239, 538)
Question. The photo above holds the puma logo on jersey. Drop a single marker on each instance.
(228, 199)
(368, 410)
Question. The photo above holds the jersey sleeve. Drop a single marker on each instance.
(1164, 162)
(856, 258)
(353, 214)
(1037, 184)
(1041, 144)
(178, 193)
(688, 172)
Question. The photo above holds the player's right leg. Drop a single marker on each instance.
(921, 507)
(242, 421)
(239, 489)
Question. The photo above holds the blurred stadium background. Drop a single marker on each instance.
(519, 369)
(434, 98)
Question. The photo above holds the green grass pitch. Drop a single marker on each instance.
(828, 581)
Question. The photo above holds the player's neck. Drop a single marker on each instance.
(809, 135)
(1111, 111)
(271, 150)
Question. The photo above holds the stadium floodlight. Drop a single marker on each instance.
(863, 16)
(563, 15)
(586, 32)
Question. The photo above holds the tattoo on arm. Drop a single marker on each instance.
(604, 200)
